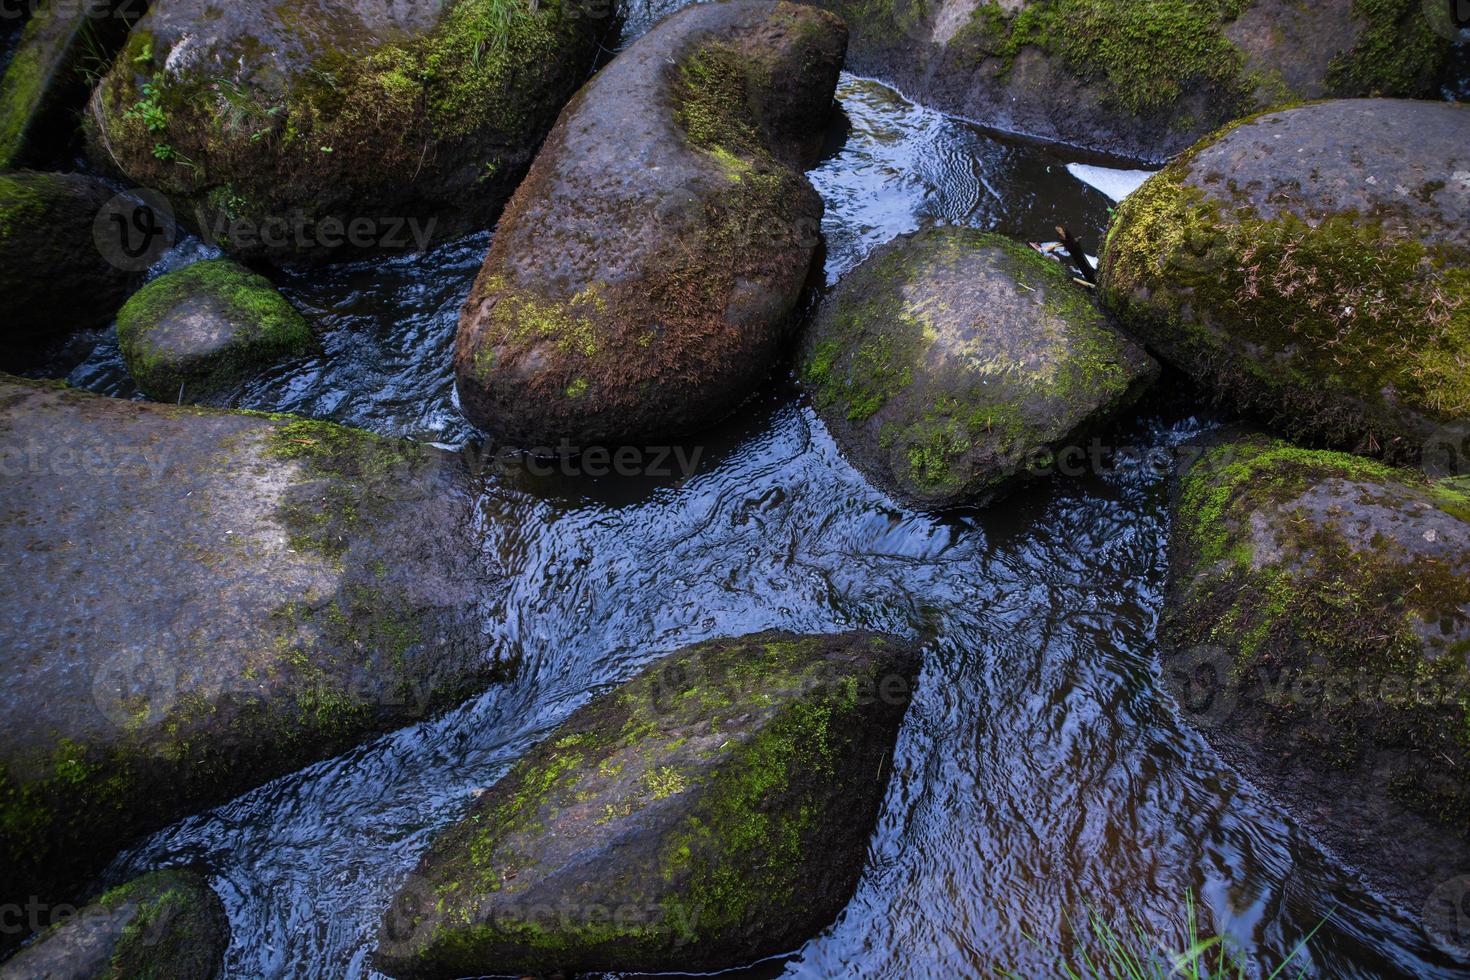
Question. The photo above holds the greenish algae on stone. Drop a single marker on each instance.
(201, 601)
(953, 364)
(711, 811)
(644, 278)
(166, 925)
(1330, 298)
(280, 125)
(206, 327)
(1318, 630)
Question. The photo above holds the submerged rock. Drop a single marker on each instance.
(193, 333)
(54, 279)
(714, 810)
(1312, 266)
(1143, 79)
(46, 83)
(644, 276)
(1318, 631)
(305, 130)
(167, 923)
(197, 601)
(952, 364)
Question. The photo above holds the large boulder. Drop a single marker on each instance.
(1318, 632)
(306, 130)
(164, 924)
(195, 333)
(197, 601)
(952, 364)
(46, 84)
(54, 277)
(1143, 78)
(714, 810)
(1312, 266)
(643, 278)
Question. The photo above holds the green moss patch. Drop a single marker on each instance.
(1349, 647)
(258, 327)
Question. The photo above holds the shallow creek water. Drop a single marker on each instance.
(1041, 772)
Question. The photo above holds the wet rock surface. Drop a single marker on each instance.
(195, 333)
(711, 811)
(168, 924)
(304, 131)
(953, 364)
(197, 601)
(1312, 266)
(644, 277)
(1317, 631)
(54, 279)
(1142, 80)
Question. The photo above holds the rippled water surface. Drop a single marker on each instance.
(1040, 773)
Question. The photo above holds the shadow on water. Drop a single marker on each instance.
(1040, 773)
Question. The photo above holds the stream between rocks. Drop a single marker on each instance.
(1041, 771)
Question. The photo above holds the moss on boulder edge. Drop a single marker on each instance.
(1318, 630)
(1331, 297)
(204, 328)
(268, 116)
(952, 363)
(53, 278)
(713, 810)
(199, 601)
(166, 925)
(643, 278)
(1141, 78)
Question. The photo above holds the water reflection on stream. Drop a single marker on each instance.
(1040, 772)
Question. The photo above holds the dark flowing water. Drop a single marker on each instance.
(1041, 772)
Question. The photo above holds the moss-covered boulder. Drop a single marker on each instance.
(1318, 631)
(643, 278)
(46, 83)
(195, 333)
(54, 278)
(196, 601)
(164, 924)
(1312, 266)
(1143, 78)
(952, 364)
(302, 130)
(714, 810)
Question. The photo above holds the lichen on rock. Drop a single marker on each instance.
(713, 810)
(310, 117)
(953, 363)
(643, 278)
(1333, 303)
(200, 330)
(1318, 629)
(166, 925)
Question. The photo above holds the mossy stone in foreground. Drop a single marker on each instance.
(1312, 266)
(644, 276)
(167, 925)
(1318, 630)
(53, 277)
(713, 810)
(197, 601)
(952, 363)
(206, 327)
